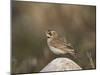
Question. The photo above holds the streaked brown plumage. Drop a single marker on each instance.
(57, 45)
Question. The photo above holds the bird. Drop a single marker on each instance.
(57, 45)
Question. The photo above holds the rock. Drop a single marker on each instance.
(61, 64)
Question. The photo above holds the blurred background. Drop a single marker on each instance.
(30, 20)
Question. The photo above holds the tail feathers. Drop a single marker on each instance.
(75, 55)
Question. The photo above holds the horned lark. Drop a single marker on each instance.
(57, 45)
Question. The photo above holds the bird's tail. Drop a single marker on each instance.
(75, 55)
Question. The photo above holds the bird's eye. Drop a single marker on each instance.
(50, 33)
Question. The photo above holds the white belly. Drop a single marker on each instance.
(56, 51)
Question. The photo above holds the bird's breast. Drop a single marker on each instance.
(56, 50)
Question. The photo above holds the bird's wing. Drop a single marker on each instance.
(69, 46)
(61, 44)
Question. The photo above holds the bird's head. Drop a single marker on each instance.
(51, 34)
